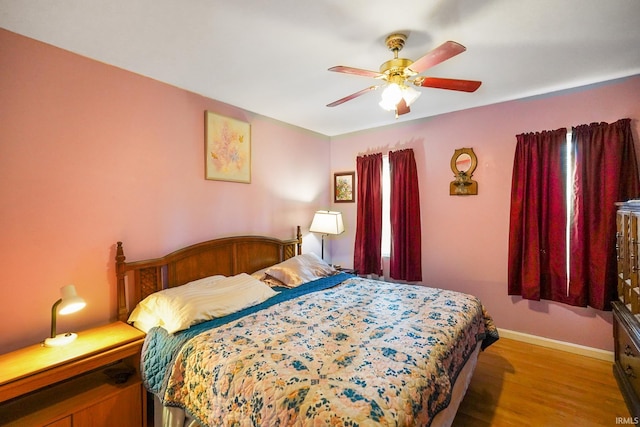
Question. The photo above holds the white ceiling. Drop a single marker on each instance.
(271, 57)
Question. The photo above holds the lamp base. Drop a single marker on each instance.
(60, 340)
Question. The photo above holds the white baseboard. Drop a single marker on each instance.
(582, 350)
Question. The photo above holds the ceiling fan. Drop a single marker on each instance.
(399, 72)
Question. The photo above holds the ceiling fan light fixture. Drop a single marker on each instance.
(410, 94)
(387, 105)
(393, 93)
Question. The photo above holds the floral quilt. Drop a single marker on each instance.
(363, 353)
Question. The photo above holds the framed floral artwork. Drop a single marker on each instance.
(227, 149)
(343, 187)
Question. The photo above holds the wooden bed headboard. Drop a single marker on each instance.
(227, 256)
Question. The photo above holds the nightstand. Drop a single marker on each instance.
(346, 270)
(94, 380)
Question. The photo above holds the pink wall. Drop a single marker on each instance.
(464, 239)
(91, 154)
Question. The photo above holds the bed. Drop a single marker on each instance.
(282, 338)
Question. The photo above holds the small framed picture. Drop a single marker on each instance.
(343, 187)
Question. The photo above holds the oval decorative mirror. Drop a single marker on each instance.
(463, 164)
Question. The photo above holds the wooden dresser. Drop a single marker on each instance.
(93, 381)
(626, 311)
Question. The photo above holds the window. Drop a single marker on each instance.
(562, 220)
(386, 208)
(402, 217)
(569, 201)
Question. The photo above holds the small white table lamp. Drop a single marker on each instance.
(327, 222)
(69, 303)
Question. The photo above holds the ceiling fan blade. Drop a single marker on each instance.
(450, 84)
(402, 108)
(353, 95)
(440, 54)
(356, 71)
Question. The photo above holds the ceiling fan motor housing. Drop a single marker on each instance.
(396, 68)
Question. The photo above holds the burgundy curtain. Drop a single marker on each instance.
(606, 172)
(406, 259)
(367, 256)
(537, 260)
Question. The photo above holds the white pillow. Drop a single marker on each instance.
(301, 269)
(178, 308)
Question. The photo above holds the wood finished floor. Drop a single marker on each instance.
(520, 384)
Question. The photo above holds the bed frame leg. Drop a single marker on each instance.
(123, 311)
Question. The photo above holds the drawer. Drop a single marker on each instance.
(91, 399)
(628, 358)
